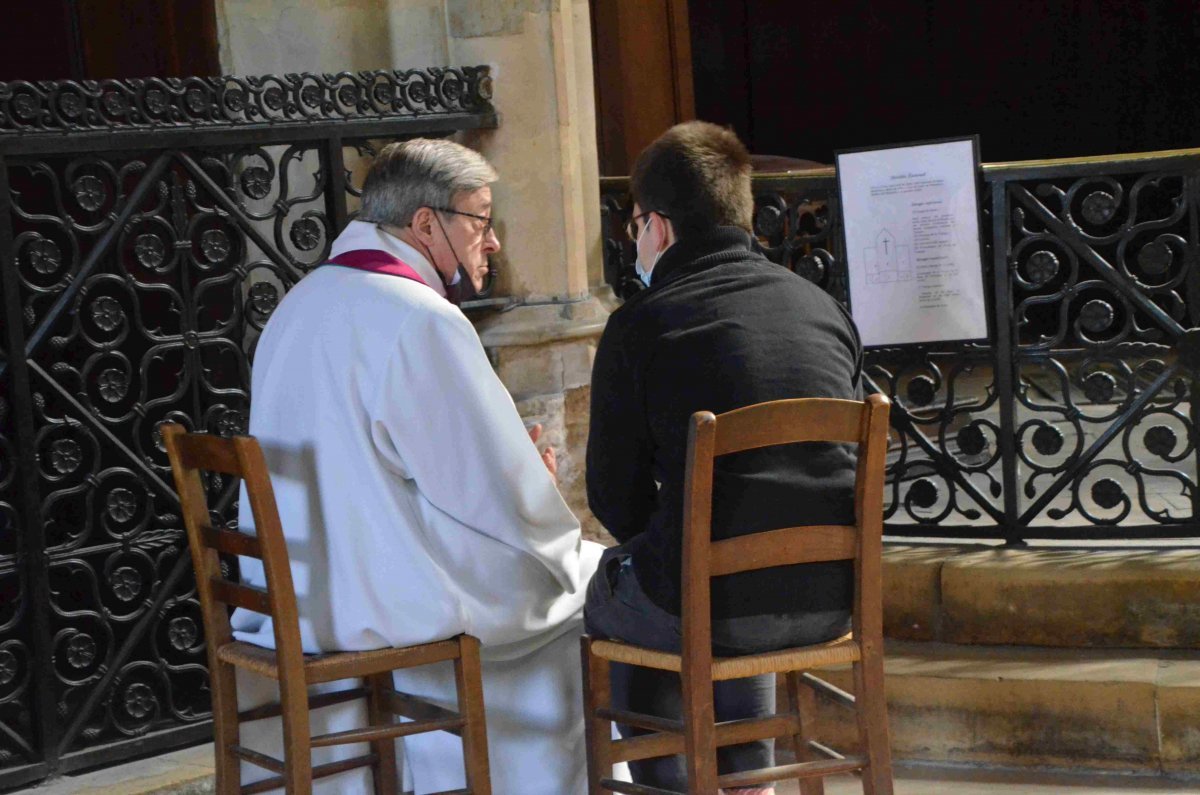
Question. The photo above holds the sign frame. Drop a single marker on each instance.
(978, 262)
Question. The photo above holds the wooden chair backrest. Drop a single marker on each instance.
(241, 457)
(864, 423)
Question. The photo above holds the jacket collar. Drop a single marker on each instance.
(713, 246)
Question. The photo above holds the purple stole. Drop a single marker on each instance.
(375, 261)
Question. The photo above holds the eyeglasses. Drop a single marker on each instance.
(487, 219)
(631, 224)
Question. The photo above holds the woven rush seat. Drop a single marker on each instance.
(840, 650)
(331, 666)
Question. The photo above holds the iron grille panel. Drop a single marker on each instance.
(149, 229)
(1076, 420)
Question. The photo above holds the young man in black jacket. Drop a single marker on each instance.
(718, 327)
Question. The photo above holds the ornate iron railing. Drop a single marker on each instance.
(148, 228)
(1077, 420)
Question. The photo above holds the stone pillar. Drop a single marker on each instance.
(547, 203)
(548, 210)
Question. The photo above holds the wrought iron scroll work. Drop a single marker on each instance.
(144, 247)
(1103, 284)
(1077, 421)
(212, 102)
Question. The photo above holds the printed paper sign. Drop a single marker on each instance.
(911, 219)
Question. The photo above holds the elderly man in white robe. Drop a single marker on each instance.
(414, 503)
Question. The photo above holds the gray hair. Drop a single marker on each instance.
(423, 172)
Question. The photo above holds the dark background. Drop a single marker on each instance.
(1034, 79)
(794, 78)
(97, 39)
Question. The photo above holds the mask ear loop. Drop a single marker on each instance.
(429, 254)
(647, 275)
(453, 293)
(457, 261)
(457, 290)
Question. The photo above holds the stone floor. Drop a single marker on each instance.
(185, 772)
(189, 772)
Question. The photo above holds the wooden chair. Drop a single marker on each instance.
(293, 670)
(697, 735)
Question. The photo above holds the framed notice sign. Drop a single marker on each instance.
(911, 219)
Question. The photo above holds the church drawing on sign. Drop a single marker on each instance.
(887, 262)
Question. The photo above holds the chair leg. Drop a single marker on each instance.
(597, 695)
(468, 677)
(700, 737)
(384, 770)
(297, 737)
(803, 702)
(871, 711)
(223, 685)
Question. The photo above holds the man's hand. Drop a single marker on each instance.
(549, 457)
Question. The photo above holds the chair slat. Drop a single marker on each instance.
(319, 771)
(416, 708)
(825, 750)
(315, 701)
(821, 768)
(811, 544)
(367, 734)
(238, 595)
(831, 692)
(746, 730)
(232, 543)
(210, 453)
(732, 732)
(641, 721)
(257, 759)
(629, 788)
(788, 422)
(645, 746)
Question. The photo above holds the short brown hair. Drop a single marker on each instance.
(698, 175)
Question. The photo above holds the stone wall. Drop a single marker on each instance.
(278, 36)
(548, 203)
(544, 356)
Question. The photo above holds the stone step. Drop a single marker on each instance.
(190, 773)
(1100, 598)
(1022, 706)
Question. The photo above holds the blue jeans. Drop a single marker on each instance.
(617, 608)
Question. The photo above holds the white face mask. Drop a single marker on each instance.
(644, 273)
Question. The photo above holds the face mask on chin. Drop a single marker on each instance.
(461, 288)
